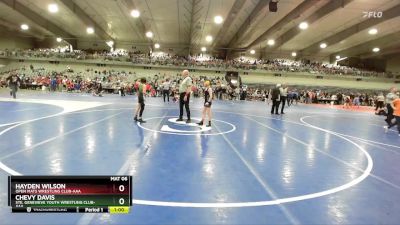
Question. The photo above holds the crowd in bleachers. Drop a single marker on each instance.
(121, 82)
(137, 57)
(90, 80)
(317, 96)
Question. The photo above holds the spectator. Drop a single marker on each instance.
(166, 86)
(283, 96)
(275, 97)
(13, 83)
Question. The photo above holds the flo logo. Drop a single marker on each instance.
(170, 125)
(372, 14)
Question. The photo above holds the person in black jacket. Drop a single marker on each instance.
(275, 97)
(13, 83)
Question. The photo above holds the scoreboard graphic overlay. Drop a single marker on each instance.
(69, 194)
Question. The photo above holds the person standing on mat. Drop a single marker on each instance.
(380, 100)
(166, 86)
(208, 96)
(185, 87)
(395, 104)
(140, 106)
(389, 99)
(275, 97)
(283, 95)
(13, 83)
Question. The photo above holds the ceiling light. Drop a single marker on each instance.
(323, 45)
(90, 30)
(375, 49)
(203, 49)
(373, 31)
(338, 57)
(59, 39)
(252, 52)
(270, 42)
(53, 8)
(24, 27)
(149, 34)
(218, 19)
(209, 38)
(303, 25)
(135, 13)
(294, 54)
(156, 45)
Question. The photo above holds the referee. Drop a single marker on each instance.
(166, 86)
(185, 87)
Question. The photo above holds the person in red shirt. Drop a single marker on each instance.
(148, 87)
(396, 113)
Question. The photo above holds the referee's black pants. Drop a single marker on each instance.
(184, 103)
(166, 93)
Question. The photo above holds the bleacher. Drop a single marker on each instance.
(88, 70)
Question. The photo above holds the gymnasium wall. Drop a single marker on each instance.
(4, 63)
(90, 44)
(128, 46)
(131, 47)
(393, 64)
(50, 43)
(9, 40)
(375, 64)
(265, 54)
(311, 81)
(317, 58)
